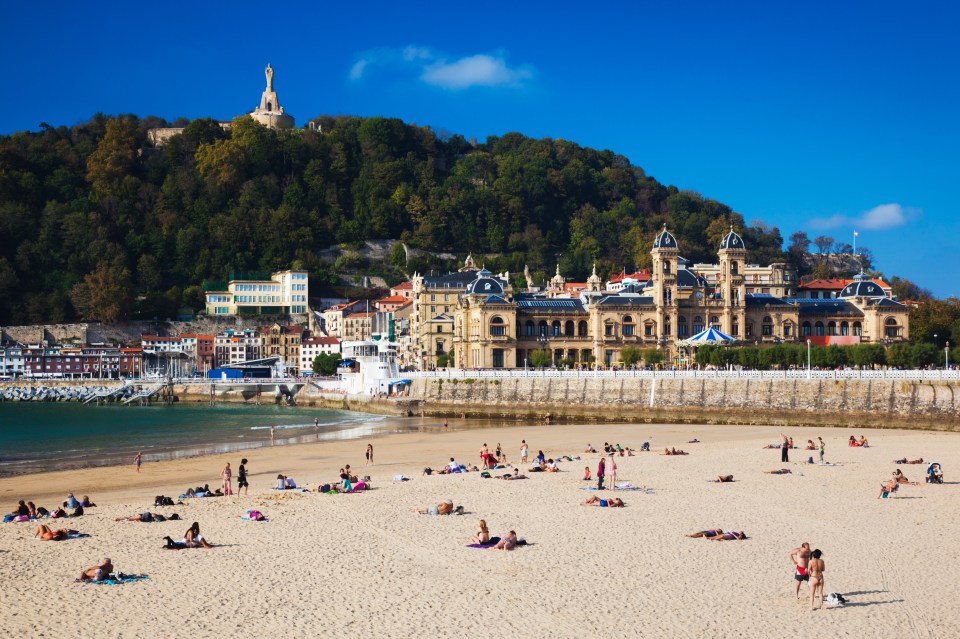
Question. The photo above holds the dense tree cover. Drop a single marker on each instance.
(937, 322)
(96, 225)
(326, 363)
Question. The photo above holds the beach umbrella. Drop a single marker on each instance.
(709, 336)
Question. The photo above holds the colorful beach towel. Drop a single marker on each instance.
(115, 579)
(493, 542)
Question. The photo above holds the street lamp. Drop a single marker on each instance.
(946, 357)
(809, 342)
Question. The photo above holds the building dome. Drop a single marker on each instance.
(862, 286)
(732, 241)
(485, 286)
(665, 240)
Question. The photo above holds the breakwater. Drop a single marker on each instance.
(877, 403)
(62, 391)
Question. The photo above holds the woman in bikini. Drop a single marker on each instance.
(815, 570)
(707, 533)
(730, 536)
(508, 542)
(193, 539)
(45, 534)
(483, 534)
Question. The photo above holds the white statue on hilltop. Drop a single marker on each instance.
(269, 73)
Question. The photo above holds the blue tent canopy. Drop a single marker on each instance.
(346, 363)
(400, 381)
(708, 336)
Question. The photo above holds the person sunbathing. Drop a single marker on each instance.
(901, 478)
(674, 451)
(615, 502)
(443, 508)
(483, 534)
(507, 542)
(589, 449)
(782, 471)
(887, 487)
(730, 536)
(98, 573)
(772, 446)
(145, 517)
(707, 533)
(722, 479)
(694, 441)
(516, 475)
(904, 460)
(46, 534)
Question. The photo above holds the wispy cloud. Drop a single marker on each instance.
(885, 216)
(433, 68)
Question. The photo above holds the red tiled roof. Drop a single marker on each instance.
(393, 299)
(835, 284)
(403, 286)
(574, 286)
(641, 276)
(320, 341)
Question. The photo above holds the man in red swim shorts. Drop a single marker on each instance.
(800, 558)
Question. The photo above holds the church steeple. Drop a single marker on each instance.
(593, 282)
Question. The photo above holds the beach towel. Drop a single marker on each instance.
(400, 478)
(493, 542)
(115, 579)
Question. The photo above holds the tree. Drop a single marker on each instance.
(115, 157)
(630, 355)
(326, 364)
(652, 356)
(540, 359)
(104, 294)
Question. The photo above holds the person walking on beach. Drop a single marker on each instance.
(785, 448)
(369, 454)
(523, 451)
(816, 569)
(316, 427)
(821, 446)
(801, 559)
(227, 475)
(501, 458)
(273, 436)
(601, 471)
(138, 460)
(613, 472)
(242, 477)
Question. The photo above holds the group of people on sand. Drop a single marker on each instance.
(853, 442)
(27, 510)
(482, 537)
(809, 567)
(191, 539)
(787, 443)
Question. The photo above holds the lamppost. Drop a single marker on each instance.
(809, 342)
(946, 356)
(543, 340)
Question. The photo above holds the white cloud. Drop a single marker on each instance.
(885, 216)
(432, 68)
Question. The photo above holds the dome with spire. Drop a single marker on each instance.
(665, 240)
(732, 241)
(862, 286)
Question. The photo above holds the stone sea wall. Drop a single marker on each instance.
(861, 402)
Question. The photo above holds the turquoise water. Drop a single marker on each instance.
(37, 437)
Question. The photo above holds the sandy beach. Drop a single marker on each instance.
(365, 565)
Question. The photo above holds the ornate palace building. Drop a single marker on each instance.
(491, 327)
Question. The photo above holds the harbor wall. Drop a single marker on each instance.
(872, 403)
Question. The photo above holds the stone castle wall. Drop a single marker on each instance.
(863, 402)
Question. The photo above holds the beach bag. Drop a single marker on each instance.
(7, 518)
(325, 488)
(834, 599)
(485, 474)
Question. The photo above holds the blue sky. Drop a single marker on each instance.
(823, 117)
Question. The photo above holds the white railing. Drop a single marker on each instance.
(906, 375)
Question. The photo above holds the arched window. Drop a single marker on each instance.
(556, 328)
(767, 326)
(666, 267)
(734, 268)
(749, 332)
(891, 327)
(844, 328)
(805, 329)
(497, 327)
(787, 329)
(582, 329)
(715, 322)
(542, 328)
(832, 328)
(628, 326)
(681, 326)
(568, 329)
(857, 329)
(530, 330)
(818, 329)
(697, 324)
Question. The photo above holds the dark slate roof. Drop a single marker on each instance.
(495, 299)
(485, 286)
(665, 240)
(886, 302)
(732, 241)
(450, 280)
(624, 300)
(765, 299)
(826, 307)
(689, 279)
(554, 304)
(862, 286)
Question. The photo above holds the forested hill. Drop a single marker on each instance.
(94, 227)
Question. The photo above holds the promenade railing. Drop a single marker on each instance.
(843, 374)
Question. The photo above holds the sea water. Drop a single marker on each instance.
(39, 437)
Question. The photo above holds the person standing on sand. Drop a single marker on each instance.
(242, 477)
(138, 460)
(601, 470)
(227, 475)
(501, 458)
(446, 423)
(524, 449)
(785, 448)
(273, 436)
(316, 427)
(821, 446)
(369, 454)
(613, 472)
(816, 569)
(801, 559)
